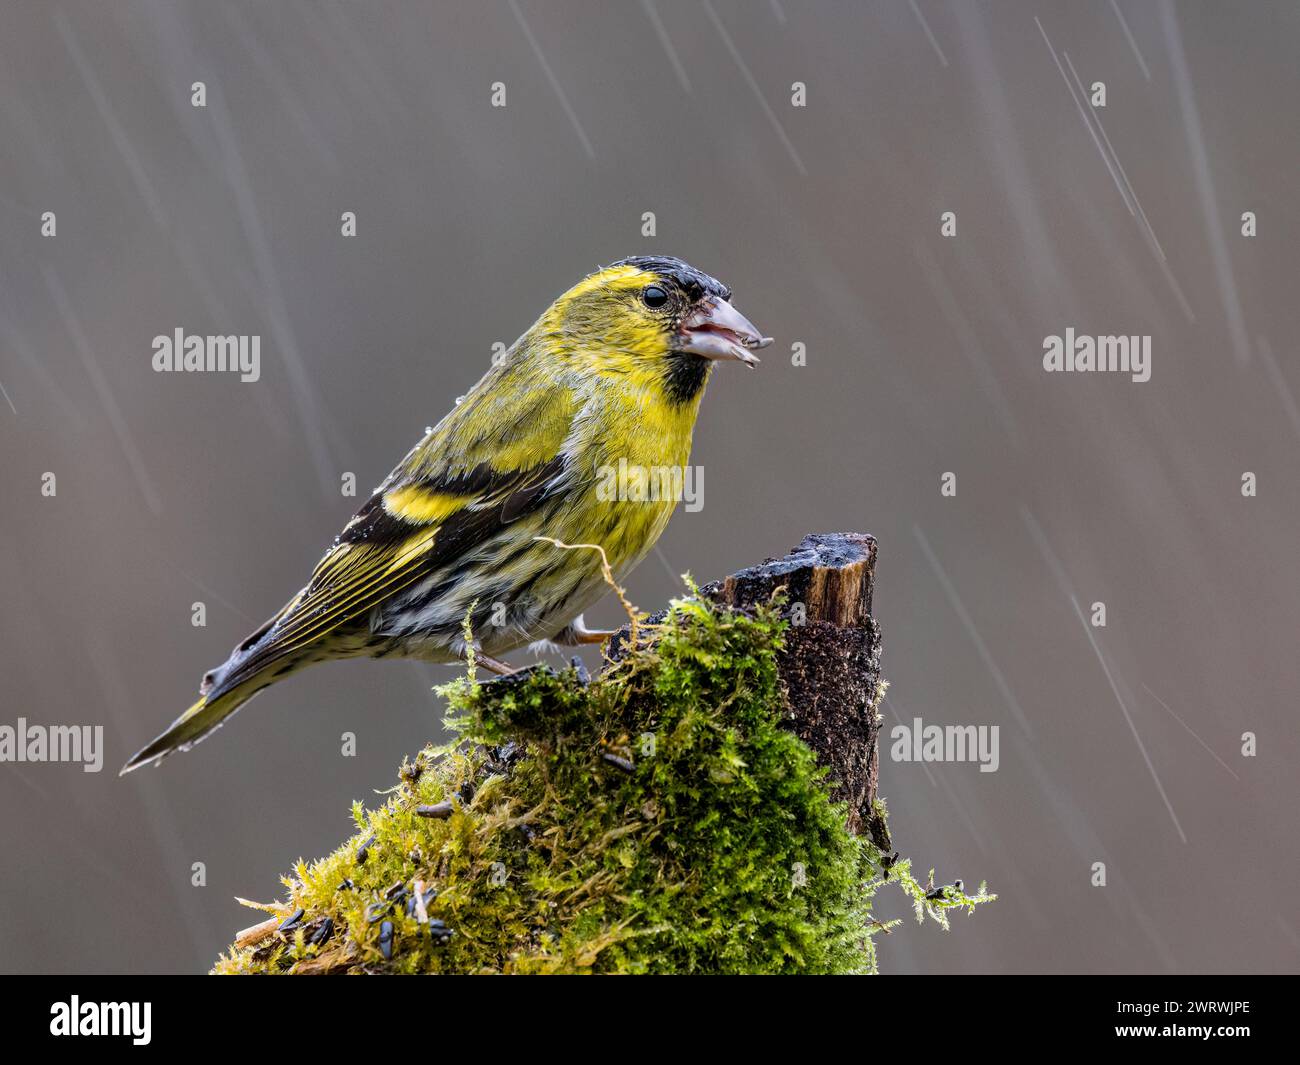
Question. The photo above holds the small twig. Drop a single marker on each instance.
(608, 573)
(256, 933)
(422, 915)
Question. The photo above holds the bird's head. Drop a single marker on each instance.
(654, 318)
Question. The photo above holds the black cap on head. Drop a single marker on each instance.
(695, 283)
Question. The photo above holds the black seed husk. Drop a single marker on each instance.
(580, 668)
(363, 852)
(323, 932)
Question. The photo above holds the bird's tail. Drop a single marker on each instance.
(196, 723)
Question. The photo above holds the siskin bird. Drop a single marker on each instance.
(613, 370)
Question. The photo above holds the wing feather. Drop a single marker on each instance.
(359, 573)
(492, 459)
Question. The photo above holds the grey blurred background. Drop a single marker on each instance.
(1120, 744)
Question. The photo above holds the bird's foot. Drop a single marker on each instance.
(576, 633)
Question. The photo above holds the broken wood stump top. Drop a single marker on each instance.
(831, 574)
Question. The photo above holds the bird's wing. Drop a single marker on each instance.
(430, 511)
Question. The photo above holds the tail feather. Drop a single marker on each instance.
(193, 725)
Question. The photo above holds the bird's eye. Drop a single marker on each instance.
(654, 296)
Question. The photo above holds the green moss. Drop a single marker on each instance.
(655, 820)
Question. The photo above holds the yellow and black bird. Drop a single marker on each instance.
(613, 370)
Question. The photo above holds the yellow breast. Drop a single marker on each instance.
(636, 455)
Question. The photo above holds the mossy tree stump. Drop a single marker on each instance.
(706, 804)
(830, 665)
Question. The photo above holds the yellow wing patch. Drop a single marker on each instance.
(419, 505)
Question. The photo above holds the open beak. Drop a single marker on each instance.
(716, 330)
